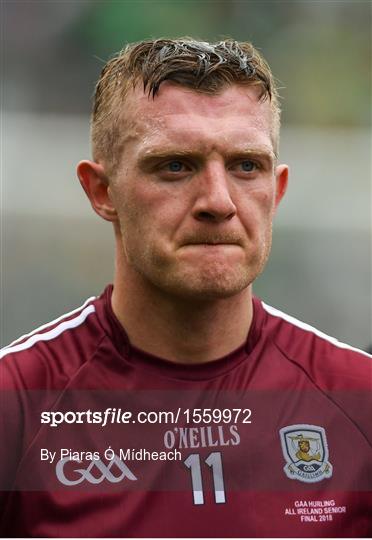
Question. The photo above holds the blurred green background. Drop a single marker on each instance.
(56, 252)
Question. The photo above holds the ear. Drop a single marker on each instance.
(281, 180)
(96, 185)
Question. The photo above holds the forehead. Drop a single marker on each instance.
(182, 116)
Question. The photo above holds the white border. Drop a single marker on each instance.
(46, 325)
(47, 336)
(304, 326)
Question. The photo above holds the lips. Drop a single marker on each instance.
(213, 240)
(212, 244)
(209, 243)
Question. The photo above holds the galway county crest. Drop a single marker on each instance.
(305, 450)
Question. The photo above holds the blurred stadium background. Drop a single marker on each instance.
(56, 252)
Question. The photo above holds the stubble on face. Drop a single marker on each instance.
(155, 267)
(157, 233)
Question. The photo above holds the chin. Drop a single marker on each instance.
(215, 293)
(210, 285)
(203, 281)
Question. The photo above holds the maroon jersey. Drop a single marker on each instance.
(100, 439)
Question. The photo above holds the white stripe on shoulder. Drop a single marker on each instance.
(308, 328)
(51, 323)
(47, 336)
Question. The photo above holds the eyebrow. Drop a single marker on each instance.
(153, 154)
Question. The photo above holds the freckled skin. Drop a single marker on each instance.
(170, 222)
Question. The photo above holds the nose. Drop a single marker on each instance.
(213, 200)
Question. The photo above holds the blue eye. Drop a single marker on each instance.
(175, 166)
(248, 165)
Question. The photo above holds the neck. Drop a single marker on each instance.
(180, 329)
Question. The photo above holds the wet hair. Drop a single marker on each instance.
(204, 67)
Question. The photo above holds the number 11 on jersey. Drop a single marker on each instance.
(215, 462)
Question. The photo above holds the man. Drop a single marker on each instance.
(188, 391)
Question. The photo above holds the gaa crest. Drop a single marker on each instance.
(305, 450)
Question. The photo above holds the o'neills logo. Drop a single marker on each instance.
(95, 473)
(305, 450)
